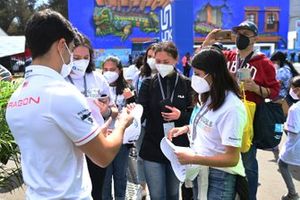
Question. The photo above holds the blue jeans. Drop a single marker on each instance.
(221, 185)
(251, 169)
(117, 169)
(161, 180)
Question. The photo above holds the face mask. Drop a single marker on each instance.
(293, 94)
(151, 62)
(242, 42)
(79, 67)
(164, 69)
(199, 84)
(111, 76)
(66, 68)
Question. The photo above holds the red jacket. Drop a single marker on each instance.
(262, 72)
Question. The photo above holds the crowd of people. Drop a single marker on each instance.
(75, 147)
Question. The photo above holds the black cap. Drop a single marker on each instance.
(249, 25)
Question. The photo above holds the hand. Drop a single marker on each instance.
(103, 107)
(250, 85)
(185, 155)
(124, 119)
(127, 93)
(174, 132)
(173, 115)
(104, 128)
(210, 38)
(130, 106)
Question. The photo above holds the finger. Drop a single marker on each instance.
(107, 123)
(169, 107)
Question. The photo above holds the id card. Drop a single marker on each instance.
(168, 127)
(243, 73)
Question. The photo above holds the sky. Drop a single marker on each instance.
(40, 2)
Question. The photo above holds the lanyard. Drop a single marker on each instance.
(84, 84)
(196, 121)
(242, 64)
(162, 90)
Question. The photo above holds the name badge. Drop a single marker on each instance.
(168, 127)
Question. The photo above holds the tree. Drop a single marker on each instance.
(60, 6)
(14, 15)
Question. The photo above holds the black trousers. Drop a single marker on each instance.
(186, 71)
(97, 175)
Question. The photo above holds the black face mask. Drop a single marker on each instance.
(242, 42)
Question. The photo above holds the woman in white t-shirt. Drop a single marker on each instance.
(96, 89)
(289, 153)
(121, 96)
(216, 126)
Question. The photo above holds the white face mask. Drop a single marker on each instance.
(151, 62)
(164, 69)
(293, 94)
(199, 84)
(79, 67)
(111, 76)
(66, 68)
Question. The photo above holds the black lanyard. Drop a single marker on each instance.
(162, 90)
(240, 64)
(84, 84)
(196, 121)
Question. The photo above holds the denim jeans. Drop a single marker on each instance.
(117, 169)
(161, 180)
(251, 169)
(221, 185)
(140, 161)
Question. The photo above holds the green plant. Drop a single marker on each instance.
(9, 151)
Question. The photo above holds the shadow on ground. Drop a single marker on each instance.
(12, 182)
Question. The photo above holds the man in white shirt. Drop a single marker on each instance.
(51, 120)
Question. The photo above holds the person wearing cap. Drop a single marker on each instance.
(51, 120)
(261, 76)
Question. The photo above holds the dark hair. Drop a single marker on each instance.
(145, 69)
(295, 81)
(139, 61)
(168, 47)
(82, 40)
(212, 61)
(281, 58)
(44, 28)
(121, 83)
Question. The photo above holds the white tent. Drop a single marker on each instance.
(11, 45)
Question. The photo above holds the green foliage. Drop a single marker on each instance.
(9, 174)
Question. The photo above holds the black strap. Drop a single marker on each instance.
(246, 60)
(162, 90)
(84, 84)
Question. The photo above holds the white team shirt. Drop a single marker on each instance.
(216, 129)
(290, 150)
(48, 118)
(96, 86)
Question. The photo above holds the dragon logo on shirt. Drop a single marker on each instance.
(85, 115)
